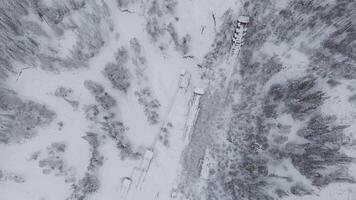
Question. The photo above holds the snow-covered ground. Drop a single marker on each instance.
(163, 54)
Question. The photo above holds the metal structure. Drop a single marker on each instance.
(239, 33)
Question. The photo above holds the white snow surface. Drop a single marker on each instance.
(162, 72)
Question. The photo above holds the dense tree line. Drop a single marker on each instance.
(257, 141)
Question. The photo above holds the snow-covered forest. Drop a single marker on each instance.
(177, 99)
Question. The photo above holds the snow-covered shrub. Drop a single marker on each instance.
(106, 101)
(85, 186)
(63, 92)
(138, 60)
(122, 55)
(170, 6)
(91, 112)
(154, 29)
(126, 151)
(9, 176)
(151, 106)
(95, 88)
(96, 160)
(117, 131)
(135, 45)
(164, 135)
(89, 184)
(66, 93)
(155, 9)
(183, 45)
(52, 161)
(118, 75)
(171, 30)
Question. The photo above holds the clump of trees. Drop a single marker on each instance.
(63, 92)
(66, 94)
(151, 106)
(9, 176)
(139, 60)
(20, 118)
(322, 161)
(164, 136)
(181, 45)
(95, 88)
(96, 160)
(24, 41)
(301, 97)
(116, 130)
(87, 185)
(256, 140)
(54, 161)
(122, 55)
(154, 29)
(104, 99)
(112, 128)
(118, 75)
(51, 161)
(90, 182)
(329, 64)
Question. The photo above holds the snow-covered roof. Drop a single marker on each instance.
(243, 19)
(199, 91)
(126, 182)
(182, 72)
(148, 154)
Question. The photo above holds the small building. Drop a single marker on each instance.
(146, 161)
(148, 155)
(243, 19)
(199, 91)
(182, 72)
(125, 186)
(126, 182)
